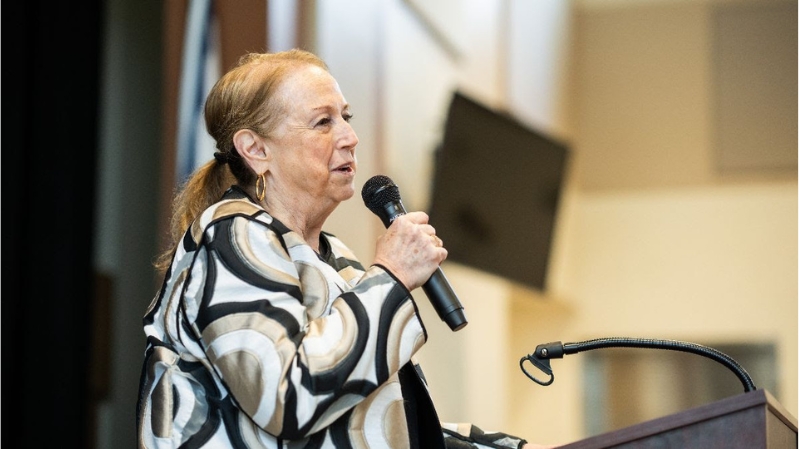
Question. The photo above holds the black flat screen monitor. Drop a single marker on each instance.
(496, 189)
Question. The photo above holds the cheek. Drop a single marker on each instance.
(310, 155)
(309, 168)
(318, 152)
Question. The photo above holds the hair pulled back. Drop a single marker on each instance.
(243, 98)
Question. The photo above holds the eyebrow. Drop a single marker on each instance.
(323, 108)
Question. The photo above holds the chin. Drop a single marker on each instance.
(343, 189)
(347, 194)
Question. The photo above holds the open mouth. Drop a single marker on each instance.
(347, 168)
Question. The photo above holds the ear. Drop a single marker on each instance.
(252, 149)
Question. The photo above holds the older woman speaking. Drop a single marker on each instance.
(267, 332)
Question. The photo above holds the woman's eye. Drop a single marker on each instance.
(325, 121)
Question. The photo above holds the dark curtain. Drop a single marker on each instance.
(50, 81)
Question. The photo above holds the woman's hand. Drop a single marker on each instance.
(410, 249)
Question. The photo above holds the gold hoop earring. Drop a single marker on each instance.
(260, 180)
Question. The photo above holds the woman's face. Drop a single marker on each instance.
(313, 148)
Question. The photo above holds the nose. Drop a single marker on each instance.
(348, 139)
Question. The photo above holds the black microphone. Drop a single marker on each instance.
(382, 197)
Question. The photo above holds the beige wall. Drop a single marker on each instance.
(652, 239)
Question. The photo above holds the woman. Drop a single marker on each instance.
(267, 332)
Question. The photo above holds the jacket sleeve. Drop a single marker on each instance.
(468, 436)
(294, 345)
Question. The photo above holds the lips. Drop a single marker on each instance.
(345, 168)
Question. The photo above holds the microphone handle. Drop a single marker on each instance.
(437, 288)
(450, 311)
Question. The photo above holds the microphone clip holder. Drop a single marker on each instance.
(540, 359)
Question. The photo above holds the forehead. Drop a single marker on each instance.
(309, 86)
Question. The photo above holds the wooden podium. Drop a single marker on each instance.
(753, 420)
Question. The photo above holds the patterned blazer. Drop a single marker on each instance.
(256, 341)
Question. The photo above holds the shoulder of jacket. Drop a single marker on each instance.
(225, 210)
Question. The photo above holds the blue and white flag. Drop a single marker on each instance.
(200, 69)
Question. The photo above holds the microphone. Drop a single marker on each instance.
(382, 197)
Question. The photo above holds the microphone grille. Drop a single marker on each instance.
(378, 191)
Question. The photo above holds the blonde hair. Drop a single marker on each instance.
(243, 98)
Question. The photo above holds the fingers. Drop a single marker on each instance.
(410, 249)
(419, 219)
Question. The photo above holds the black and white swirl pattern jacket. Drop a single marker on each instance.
(256, 341)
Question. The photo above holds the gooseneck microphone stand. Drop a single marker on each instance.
(556, 350)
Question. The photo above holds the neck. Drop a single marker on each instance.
(299, 219)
